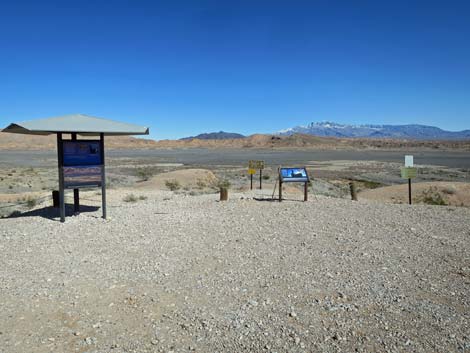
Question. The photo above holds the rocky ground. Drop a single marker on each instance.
(178, 273)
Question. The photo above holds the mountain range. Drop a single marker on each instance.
(221, 135)
(412, 131)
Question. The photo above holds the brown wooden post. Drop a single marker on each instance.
(305, 192)
(352, 189)
(223, 194)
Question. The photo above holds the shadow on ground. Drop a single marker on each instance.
(52, 213)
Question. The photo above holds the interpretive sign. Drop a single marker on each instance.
(251, 171)
(256, 164)
(409, 172)
(82, 163)
(84, 152)
(294, 175)
(82, 176)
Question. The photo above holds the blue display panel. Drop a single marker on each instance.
(82, 153)
(294, 175)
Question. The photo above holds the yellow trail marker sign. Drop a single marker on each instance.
(251, 171)
(256, 165)
(409, 172)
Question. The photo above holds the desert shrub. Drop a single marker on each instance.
(143, 197)
(31, 202)
(266, 177)
(173, 185)
(200, 184)
(369, 184)
(223, 184)
(432, 197)
(144, 173)
(130, 198)
(449, 190)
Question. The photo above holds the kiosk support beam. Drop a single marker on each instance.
(305, 191)
(60, 159)
(76, 192)
(103, 177)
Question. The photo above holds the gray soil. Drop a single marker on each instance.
(174, 273)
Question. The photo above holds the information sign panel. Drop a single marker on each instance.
(84, 152)
(82, 176)
(251, 171)
(82, 163)
(256, 164)
(409, 173)
(294, 175)
(408, 161)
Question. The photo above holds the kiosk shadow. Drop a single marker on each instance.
(52, 213)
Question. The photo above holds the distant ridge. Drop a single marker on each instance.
(412, 131)
(221, 135)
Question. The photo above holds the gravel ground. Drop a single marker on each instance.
(175, 273)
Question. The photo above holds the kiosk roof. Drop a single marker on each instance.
(76, 123)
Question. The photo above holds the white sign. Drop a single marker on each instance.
(408, 161)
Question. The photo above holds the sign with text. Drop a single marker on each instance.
(408, 161)
(256, 165)
(82, 163)
(80, 153)
(409, 173)
(251, 171)
(82, 176)
(294, 175)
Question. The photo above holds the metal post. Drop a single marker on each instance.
(103, 177)
(305, 191)
(60, 159)
(76, 193)
(251, 181)
(76, 201)
(261, 179)
(280, 184)
(409, 191)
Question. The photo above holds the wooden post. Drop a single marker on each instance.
(261, 179)
(223, 194)
(60, 159)
(103, 177)
(305, 192)
(352, 189)
(251, 181)
(409, 191)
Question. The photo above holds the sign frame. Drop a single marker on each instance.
(303, 178)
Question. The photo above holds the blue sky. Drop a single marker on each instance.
(185, 67)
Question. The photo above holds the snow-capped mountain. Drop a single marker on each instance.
(413, 131)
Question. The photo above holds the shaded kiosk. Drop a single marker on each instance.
(81, 162)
